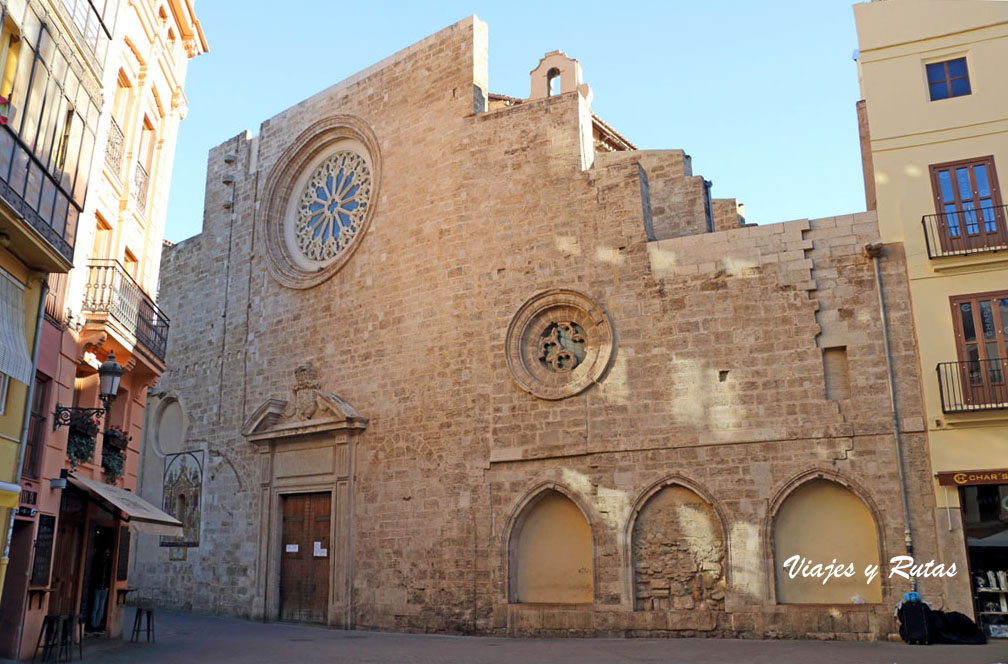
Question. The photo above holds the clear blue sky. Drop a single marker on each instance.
(760, 94)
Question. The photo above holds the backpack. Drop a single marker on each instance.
(916, 623)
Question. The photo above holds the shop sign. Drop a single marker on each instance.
(972, 477)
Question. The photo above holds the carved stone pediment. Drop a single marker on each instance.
(310, 411)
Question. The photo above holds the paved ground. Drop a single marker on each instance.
(197, 639)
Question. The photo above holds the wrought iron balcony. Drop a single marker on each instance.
(966, 231)
(140, 181)
(111, 290)
(973, 385)
(114, 149)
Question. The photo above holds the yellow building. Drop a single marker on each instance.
(114, 116)
(48, 103)
(934, 123)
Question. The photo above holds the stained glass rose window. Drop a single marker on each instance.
(332, 206)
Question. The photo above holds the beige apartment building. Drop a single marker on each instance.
(71, 540)
(469, 362)
(935, 134)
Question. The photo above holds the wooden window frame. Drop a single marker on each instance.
(131, 265)
(39, 417)
(966, 241)
(147, 144)
(981, 382)
(948, 78)
(101, 247)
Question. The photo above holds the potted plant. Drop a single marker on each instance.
(114, 444)
(112, 462)
(116, 436)
(81, 441)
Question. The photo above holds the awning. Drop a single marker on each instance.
(10, 494)
(141, 515)
(14, 358)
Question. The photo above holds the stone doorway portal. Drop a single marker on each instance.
(307, 451)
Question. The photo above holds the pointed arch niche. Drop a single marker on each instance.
(678, 551)
(822, 520)
(550, 552)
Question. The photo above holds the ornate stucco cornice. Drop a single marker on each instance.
(311, 412)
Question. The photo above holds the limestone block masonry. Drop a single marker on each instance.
(708, 411)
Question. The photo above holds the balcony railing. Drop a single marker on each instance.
(110, 289)
(114, 149)
(140, 180)
(973, 385)
(966, 231)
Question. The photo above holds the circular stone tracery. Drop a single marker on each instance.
(558, 344)
(320, 197)
(333, 205)
(561, 347)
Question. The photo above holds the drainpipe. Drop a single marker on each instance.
(23, 438)
(874, 251)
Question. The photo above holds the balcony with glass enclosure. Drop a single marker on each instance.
(48, 117)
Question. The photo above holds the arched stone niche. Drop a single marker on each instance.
(678, 552)
(550, 552)
(821, 521)
(169, 426)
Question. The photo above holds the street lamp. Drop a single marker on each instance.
(109, 375)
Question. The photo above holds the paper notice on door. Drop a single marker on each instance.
(291, 548)
(319, 552)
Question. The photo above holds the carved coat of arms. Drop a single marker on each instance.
(305, 402)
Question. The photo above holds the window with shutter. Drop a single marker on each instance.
(968, 203)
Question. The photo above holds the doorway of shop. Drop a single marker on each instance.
(97, 577)
(985, 524)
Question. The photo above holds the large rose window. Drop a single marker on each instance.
(320, 196)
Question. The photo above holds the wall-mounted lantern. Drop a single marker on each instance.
(109, 375)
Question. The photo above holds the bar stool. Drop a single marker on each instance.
(49, 637)
(71, 634)
(144, 608)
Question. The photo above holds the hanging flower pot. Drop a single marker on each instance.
(113, 462)
(81, 441)
(80, 447)
(117, 437)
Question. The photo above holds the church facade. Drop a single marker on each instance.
(450, 361)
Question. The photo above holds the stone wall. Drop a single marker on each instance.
(678, 553)
(714, 383)
(728, 214)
